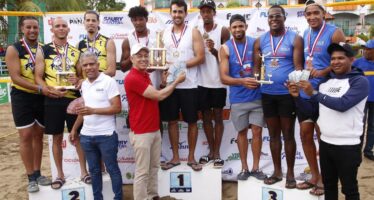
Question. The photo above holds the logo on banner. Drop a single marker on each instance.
(228, 171)
(233, 156)
(50, 20)
(122, 144)
(118, 36)
(298, 156)
(300, 13)
(234, 140)
(180, 182)
(113, 20)
(271, 194)
(130, 175)
(76, 20)
(265, 14)
(294, 28)
(123, 159)
(169, 21)
(182, 145)
(152, 20)
(73, 194)
(246, 16)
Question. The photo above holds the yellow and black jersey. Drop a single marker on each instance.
(53, 64)
(99, 48)
(27, 64)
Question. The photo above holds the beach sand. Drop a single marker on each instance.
(13, 179)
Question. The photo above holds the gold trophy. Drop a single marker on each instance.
(157, 59)
(263, 72)
(62, 77)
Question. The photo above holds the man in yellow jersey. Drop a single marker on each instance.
(54, 57)
(27, 101)
(103, 47)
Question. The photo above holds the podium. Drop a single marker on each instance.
(253, 189)
(181, 182)
(72, 189)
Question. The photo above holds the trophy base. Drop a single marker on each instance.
(65, 87)
(158, 67)
(265, 82)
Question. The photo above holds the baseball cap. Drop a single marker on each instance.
(137, 47)
(207, 3)
(341, 46)
(369, 44)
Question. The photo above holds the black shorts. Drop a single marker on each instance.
(302, 116)
(184, 100)
(27, 108)
(278, 106)
(55, 115)
(211, 98)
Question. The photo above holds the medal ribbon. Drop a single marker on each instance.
(274, 51)
(311, 51)
(62, 57)
(240, 59)
(28, 50)
(175, 41)
(89, 48)
(137, 38)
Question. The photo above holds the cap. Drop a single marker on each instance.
(207, 3)
(137, 47)
(369, 44)
(341, 47)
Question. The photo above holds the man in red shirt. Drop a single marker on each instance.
(145, 136)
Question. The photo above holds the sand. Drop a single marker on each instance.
(13, 180)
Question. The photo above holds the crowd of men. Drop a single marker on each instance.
(212, 57)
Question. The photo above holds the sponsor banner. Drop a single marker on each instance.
(117, 25)
(4, 93)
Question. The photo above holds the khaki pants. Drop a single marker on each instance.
(147, 149)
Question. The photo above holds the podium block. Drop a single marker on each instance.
(72, 189)
(182, 182)
(257, 190)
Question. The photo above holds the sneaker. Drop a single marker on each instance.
(259, 175)
(243, 175)
(33, 187)
(369, 156)
(43, 181)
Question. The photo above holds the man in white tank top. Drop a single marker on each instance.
(211, 92)
(181, 51)
(140, 34)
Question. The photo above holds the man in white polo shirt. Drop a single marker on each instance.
(98, 138)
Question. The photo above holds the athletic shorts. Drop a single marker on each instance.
(302, 117)
(244, 114)
(55, 115)
(278, 106)
(27, 108)
(211, 98)
(183, 100)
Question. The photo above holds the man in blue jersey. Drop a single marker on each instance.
(236, 70)
(317, 38)
(341, 99)
(282, 50)
(366, 64)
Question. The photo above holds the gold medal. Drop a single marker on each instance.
(309, 63)
(205, 36)
(274, 62)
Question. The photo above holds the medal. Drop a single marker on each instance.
(309, 59)
(274, 60)
(92, 48)
(239, 58)
(62, 56)
(31, 54)
(175, 41)
(137, 38)
(205, 36)
(176, 54)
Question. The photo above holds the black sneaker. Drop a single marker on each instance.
(243, 175)
(369, 156)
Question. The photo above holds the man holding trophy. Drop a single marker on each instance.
(182, 54)
(56, 68)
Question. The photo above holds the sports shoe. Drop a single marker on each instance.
(259, 175)
(243, 175)
(44, 181)
(33, 187)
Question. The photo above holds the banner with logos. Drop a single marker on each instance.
(117, 25)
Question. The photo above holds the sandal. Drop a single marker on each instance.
(290, 183)
(205, 159)
(169, 165)
(195, 166)
(57, 184)
(87, 179)
(272, 180)
(317, 191)
(305, 185)
(218, 163)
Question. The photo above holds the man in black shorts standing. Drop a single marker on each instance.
(27, 101)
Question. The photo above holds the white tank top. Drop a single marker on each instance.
(182, 53)
(155, 76)
(208, 72)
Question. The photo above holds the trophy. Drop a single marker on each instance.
(157, 59)
(263, 71)
(62, 77)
